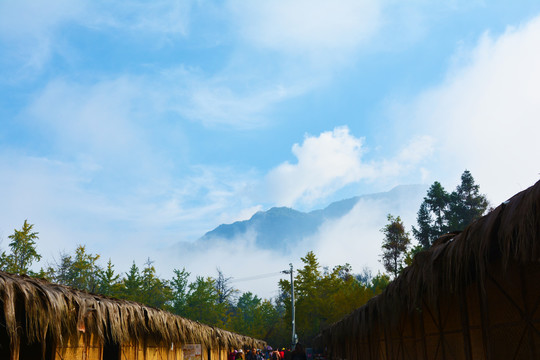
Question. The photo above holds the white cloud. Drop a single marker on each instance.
(243, 214)
(325, 163)
(216, 105)
(159, 16)
(99, 118)
(30, 31)
(313, 26)
(35, 18)
(27, 31)
(112, 157)
(333, 160)
(485, 116)
(68, 208)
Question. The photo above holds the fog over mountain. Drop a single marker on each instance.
(345, 231)
(282, 228)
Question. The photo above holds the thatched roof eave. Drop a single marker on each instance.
(511, 232)
(60, 312)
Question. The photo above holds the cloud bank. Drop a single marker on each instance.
(313, 26)
(485, 116)
(332, 160)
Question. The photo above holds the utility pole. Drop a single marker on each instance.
(291, 271)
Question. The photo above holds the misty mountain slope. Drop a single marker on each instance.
(280, 227)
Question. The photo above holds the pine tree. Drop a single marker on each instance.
(154, 291)
(84, 272)
(23, 251)
(179, 287)
(432, 215)
(466, 203)
(395, 244)
(132, 284)
(60, 273)
(202, 302)
(226, 293)
(437, 202)
(424, 232)
(109, 281)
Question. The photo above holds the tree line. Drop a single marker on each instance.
(322, 295)
(440, 213)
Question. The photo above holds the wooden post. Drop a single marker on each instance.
(413, 332)
(527, 316)
(440, 327)
(423, 332)
(484, 317)
(464, 311)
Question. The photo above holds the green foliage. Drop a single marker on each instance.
(154, 291)
(23, 251)
(411, 253)
(202, 302)
(85, 272)
(132, 284)
(466, 203)
(424, 233)
(395, 244)
(179, 288)
(109, 281)
(379, 283)
(80, 271)
(246, 314)
(437, 202)
(322, 298)
(441, 212)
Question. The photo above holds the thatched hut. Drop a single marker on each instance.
(41, 320)
(474, 295)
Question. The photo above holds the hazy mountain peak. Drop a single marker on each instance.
(279, 226)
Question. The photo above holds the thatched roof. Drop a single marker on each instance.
(511, 232)
(45, 309)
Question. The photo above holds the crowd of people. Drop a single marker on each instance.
(269, 354)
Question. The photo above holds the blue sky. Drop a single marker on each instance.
(138, 125)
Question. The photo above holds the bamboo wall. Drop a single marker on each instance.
(496, 318)
(44, 321)
(87, 347)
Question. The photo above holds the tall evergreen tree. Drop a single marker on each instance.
(395, 244)
(132, 284)
(437, 203)
(80, 271)
(431, 217)
(154, 291)
(109, 281)
(466, 203)
(60, 272)
(226, 293)
(246, 313)
(23, 251)
(85, 271)
(202, 302)
(179, 287)
(424, 232)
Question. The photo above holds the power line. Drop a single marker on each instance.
(255, 277)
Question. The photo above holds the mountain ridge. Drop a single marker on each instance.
(277, 227)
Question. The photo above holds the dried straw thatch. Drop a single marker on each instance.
(508, 234)
(37, 309)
